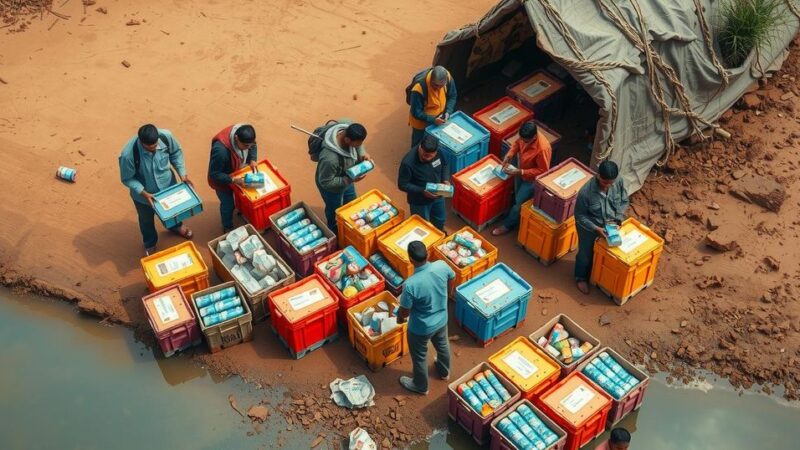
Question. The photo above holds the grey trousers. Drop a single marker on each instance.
(418, 346)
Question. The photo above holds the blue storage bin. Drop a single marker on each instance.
(461, 154)
(176, 203)
(492, 303)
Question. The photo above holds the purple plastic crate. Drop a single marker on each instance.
(501, 442)
(560, 204)
(303, 263)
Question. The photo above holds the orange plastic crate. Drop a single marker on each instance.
(365, 243)
(530, 369)
(480, 197)
(393, 245)
(379, 351)
(257, 204)
(469, 272)
(542, 237)
(346, 303)
(500, 118)
(182, 264)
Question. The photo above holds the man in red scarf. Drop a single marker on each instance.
(231, 149)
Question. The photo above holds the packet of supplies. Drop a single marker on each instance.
(236, 236)
(249, 246)
(612, 235)
(263, 261)
(501, 172)
(360, 169)
(254, 179)
(442, 189)
(245, 278)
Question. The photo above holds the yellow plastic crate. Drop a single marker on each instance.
(394, 244)
(379, 351)
(348, 232)
(469, 272)
(543, 238)
(621, 272)
(528, 367)
(181, 264)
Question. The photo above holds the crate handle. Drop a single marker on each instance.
(548, 193)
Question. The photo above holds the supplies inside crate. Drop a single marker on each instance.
(561, 346)
(379, 319)
(389, 274)
(440, 189)
(525, 429)
(610, 375)
(464, 249)
(349, 272)
(484, 393)
(219, 306)
(250, 264)
(360, 169)
(300, 231)
(374, 216)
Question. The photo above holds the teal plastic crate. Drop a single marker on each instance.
(462, 140)
(492, 303)
(176, 203)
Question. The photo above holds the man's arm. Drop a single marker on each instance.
(252, 154)
(127, 170)
(406, 302)
(582, 215)
(329, 178)
(176, 154)
(418, 108)
(452, 94)
(624, 201)
(404, 181)
(216, 165)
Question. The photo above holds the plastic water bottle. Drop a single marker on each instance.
(607, 371)
(547, 435)
(612, 364)
(296, 226)
(220, 306)
(501, 391)
(494, 397)
(606, 383)
(308, 238)
(321, 241)
(468, 395)
(221, 294)
(526, 430)
(291, 217)
(472, 245)
(360, 169)
(214, 319)
(302, 232)
(514, 434)
(478, 391)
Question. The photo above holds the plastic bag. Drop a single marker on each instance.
(360, 440)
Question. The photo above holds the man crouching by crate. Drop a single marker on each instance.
(145, 167)
(424, 304)
(232, 149)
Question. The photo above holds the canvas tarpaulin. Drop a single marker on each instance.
(634, 128)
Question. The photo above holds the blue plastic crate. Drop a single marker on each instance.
(492, 303)
(461, 154)
(176, 203)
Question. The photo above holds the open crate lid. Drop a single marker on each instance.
(173, 264)
(175, 200)
(494, 289)
(459, 133)
(566, 179)
(637, 240)
(503, 115)
(302, 299)
(575, 399)
(273, 181)
(167, 308)
(524, 364)
(479, 177)
(415, 228)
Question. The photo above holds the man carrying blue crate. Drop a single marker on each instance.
(424, 304)
(422, 165)
(232, 149)
(600, 201)
(146, 166)
(432, 97)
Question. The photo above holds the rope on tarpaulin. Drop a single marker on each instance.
(793, 8)
(701, 18)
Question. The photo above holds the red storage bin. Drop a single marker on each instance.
(257, 204)
(500, 118)
(172, 320)
(344, 302)
(303, 315)
(481, 197)
(557, 189)
(630, 401)
(303, 263)
(501, 442)
(578, 407)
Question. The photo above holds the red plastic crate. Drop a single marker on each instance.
(459, 410)
(500, 118)
(257, 212)
(500, 442)
(556, 202)
(590, 419)
(344, 302)
(303, 263)
(183, 332)
(308, 328)
(481, 205)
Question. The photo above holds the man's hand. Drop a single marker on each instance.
(430, 195)
(149, 197)
(239, 182)
(253, 166)
(360, 178)
(601, 232)
(186, 180)
(365, 157)
(439, 120)
(513, 172)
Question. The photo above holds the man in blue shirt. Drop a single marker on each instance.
(424, 304)
(145, 167)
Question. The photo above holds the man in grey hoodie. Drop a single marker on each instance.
(342, 148)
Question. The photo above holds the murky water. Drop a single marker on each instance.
(68, 382)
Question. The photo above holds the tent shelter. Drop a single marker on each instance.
(599, 44)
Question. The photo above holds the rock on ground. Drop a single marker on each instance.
(760, 190)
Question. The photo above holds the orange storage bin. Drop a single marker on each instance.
(378, 351)
(530, 369)
(181, 264)
(500, 118)
(578, 407)
(469, 272)
(621, 272)
(542, 237)
(394, 244)
(480, 196)
(349, 234)
(346, 302)
(257, 204)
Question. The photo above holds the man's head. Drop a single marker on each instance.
(607, 173)
(245, 137)
(148, 136)
(620, 439)
(439, 77)
(354, 135)
(417, 253)
(427, 148)
(528, 132)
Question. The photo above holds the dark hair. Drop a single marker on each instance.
(246, 134)
(355, 132)
(608, 170)
(148, 134)
(528, 130)
(619, 435)
(429, 144)
(417, 251)
(439, 75)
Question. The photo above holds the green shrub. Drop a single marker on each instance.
(747, 25)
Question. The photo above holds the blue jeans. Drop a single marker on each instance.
(583, 260)
(523, 191)
(147, 224)
(433, 212)
(418, 347)
(334, 200)
(226, 207)
(416, 136)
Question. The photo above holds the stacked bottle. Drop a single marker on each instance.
(219, 306)
(464, 249)
(299, 230)
(561, 346)
(483, 392)
(610, 375)
(525, 430)
(376, 215)
(388, 272)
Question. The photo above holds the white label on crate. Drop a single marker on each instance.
(504, 114)
(174, 264)
(268, 187)
(536, 88)
(631, 240)
(570, 177)
(520, 364)
(165, 309)
(305, 299)
(492, 291)
(457, 133)
(417, 234)
(175, 199)
(483, 176)
(577, 399)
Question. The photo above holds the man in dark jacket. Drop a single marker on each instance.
(423, 164)
(433, 100)
(231, 149)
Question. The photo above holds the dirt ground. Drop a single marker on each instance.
(195, 67)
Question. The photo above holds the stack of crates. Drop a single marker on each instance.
(462, 140)
(622, 272)
(181, 264)
(552, 137)
(378, 351)
(229, 332)
(501, 118)
(480, 196)
(303, 263)
(176, 203)
(257, 204)
(492, 304)
(350, 234)
(541, 93)
(466, 273)
(172, 320)
(345, 302)
(394, 244)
